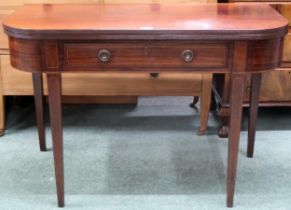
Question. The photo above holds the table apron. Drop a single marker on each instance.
(142, 56)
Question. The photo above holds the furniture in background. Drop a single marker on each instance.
(180, 39)
(106, 87)
(276, 85)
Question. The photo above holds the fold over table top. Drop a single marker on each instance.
(161, 21)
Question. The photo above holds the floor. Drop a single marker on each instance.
(146, 157)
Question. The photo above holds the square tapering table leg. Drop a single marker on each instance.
(39, 106)
(236, 104)
(54, 95)
(253, 112)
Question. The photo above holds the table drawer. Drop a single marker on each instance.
(140, 54)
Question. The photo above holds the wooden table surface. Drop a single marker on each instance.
(236, 39)
(196, 19)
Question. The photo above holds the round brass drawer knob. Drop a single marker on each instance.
(104, 55)
(187, 55)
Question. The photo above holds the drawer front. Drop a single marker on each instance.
(145, 55)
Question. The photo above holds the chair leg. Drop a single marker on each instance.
(253, 112)
(236, 104)
(205, 102)
(39, 108)
(194, 102)
(54, 95)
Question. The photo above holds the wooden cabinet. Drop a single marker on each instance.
(103, 84)
(276, 85)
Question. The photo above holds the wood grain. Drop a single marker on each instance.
(284, 8)
(39, 109)
(149, 56)
(236, 99)
(205, 102)
(54, 95)
(155, 1)
(286, 55)
(156, 54)
(262, 52)
(14, 82)
(8, 4)
(98, 84)
(144, 85)
(20, 83)
(25, 53)
(237, 80)
(141, 21)
(253, 112)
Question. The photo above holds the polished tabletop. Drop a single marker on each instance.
(144, 17)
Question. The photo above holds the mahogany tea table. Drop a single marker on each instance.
(235, 39)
